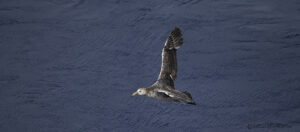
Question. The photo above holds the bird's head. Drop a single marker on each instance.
(140, 91)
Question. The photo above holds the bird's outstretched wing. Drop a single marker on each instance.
(169, 61)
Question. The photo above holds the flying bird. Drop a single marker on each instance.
(163, 89)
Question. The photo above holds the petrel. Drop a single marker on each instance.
(164, 89)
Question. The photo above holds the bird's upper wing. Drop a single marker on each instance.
(169, 61)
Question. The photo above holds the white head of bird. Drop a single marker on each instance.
(140, 91)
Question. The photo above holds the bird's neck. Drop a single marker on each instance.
(150, 92)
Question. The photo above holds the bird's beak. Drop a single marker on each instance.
(134, 94)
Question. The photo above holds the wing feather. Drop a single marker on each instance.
(168, 70)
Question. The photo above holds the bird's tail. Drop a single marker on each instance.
(192, 103)
(188, 94)
(175, 39)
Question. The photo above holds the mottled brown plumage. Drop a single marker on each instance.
(163, 88)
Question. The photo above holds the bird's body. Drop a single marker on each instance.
(164, 89)
(163, 92)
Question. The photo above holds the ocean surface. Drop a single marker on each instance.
(71, 65)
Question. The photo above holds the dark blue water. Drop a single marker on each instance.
(71, 65)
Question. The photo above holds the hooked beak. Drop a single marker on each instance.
(134, 94)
